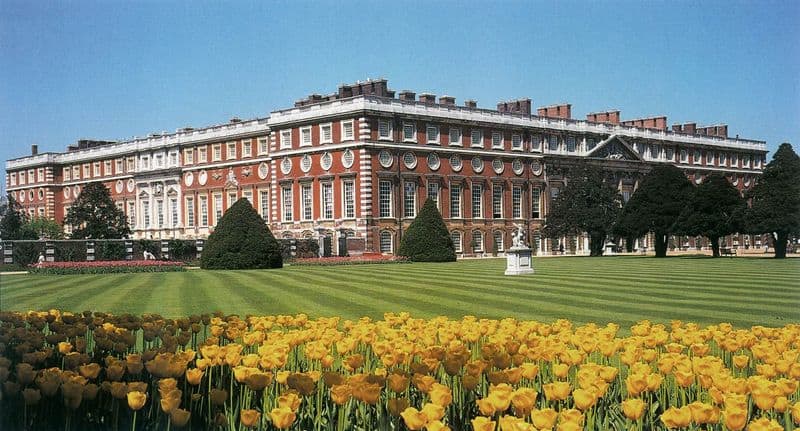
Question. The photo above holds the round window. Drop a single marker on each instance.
(536, 167)
(326, 161)
(30, 195)
(22, 196)
(698, 179)
(477, 164)
(385, 159)
(305, 163)
(76, 191)
(119, 186)
(347, 158)
(747, 181)
(433, 161)
(66, 192)
(131, 185)
(455, 162)
(263, 170)
(202, 178)
(498, 166)
(735, 180)
(517, 167)
(286, 166)
(40, 193)
(410, 160)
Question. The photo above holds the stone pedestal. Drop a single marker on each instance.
(518, 261)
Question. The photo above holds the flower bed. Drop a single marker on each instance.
(105, 267)
(350, 260)
(87, 371)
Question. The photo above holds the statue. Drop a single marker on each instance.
(518, 237)
(231, 180)
(518, 257)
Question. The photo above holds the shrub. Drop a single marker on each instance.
(427, 239)
(182, 250)
(241, 240)
(109, 250)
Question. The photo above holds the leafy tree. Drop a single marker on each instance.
(715, 209)
(43, 227)
(241, 240)
(775, 207)
(427, 239)
(12, 220)
(94, 215)
(656, 205)
(588, 204)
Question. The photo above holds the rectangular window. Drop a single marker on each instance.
(248, 194)
(118, 165)
(746, 161)
(497, 201)
(349, 198)
(22, 177)
(263, 146)
(536, 143)
(456, 237)
(348, 133)
(709, 157)
(306, 202)
(655, 151)
(286, 139)
(173, 209)
(409, 132)
(476, 139)
(107, 165)
(217, 156)
(326, 133)
(516, 202)
(95, 173)
(76, 172)
(432, 134)
(173, 159)
(626, 195)
(697, 157)
(722, 159)
(189, 211)
(132, 214)
(217, 208)
(13, 178)
(327, 200)
(86, 167)
(497, 140)
(131, 164)
(516, 142)
(386, 242)
(433, 193)
(188, 156)
(571, 145)
(554, 192)
(477, 201)
(203, 210)
(67, 174)
(455, 136)
(160, 212)
(305, 136)
(146, 213)
(159, 161)
(553, 143)
(734, 160)
(684, 156)
(455, 201)
(409, 199)
(536, 202)
(232, 198)
(498, 240)
(202, 154)
(247, 147)
(288, 200)
(231, 150)
(384, 129)
(385, 198)
(263, 201)
(477, 241)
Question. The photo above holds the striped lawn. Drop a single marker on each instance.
(743, 291)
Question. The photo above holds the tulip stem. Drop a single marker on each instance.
(133, 425)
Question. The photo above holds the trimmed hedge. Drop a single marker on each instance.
(427, 239)
(105, 267)
(241, 240)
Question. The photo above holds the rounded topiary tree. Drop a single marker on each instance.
(427, 239)
(241, 240)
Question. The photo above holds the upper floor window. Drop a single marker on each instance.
(476, 138)
(655, 151)
(66, 173)
(497, 140)
(145, 163)
(263, 146)
(684, 156)
(384, 129)
(107, 165)
(76, 172)
(231, 154)
(173, 158)
(571, 145)
(217, 152)
(536, 142)
(516, 142)
(722, 159)
(96, 170)
(40, 172)
(326, 133)
(432, 134)
(305, 136)
(709, 157)
(188, 156)
(697, 156)
(409, 132)
(669, 154)
(734, 160)
(247, 148)
(746, 161)
(119, 166)
(13, 178)
(553, 145)
(159, 161)
(202, 154)
(348, 133)
(455, 136)
(286, 139)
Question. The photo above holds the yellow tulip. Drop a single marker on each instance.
(571, 415)
(194, 376)
(289, 400)
(397, 382)
(781, 404)
(561, 370)
(485, 406)
(544, 419)
(741, 361)
(282, 417)
(633, 408)
(584, 399)
(636, 384)
(179, 417)
(513, 423)
(437, 426)
(433, 412)
(764, 424)
(341, 393)
(414, 419)
(136, 400)
(441, 395)
(556, 391)
(482, 423)
(529, 371)
(250, 418)
(677, 417)
(523, 400)
(704, 413)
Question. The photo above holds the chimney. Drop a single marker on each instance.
(407, 96)
(563, 110)
(236, 120)
(34, 149)
(611, 117)
(648, 123)
(519, 106)
(427, 98)
(447, 100)
(502, 106)
(677, 128)
(690, 128)
(722, 131)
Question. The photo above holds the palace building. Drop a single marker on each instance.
(361, 162)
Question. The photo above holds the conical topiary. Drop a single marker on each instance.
(241, 240)
(427, 239)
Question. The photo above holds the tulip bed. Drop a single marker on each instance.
(350, 260)
(100, 371)
(105, 267)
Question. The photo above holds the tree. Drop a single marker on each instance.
(43, 227)
(656, 205)
(12, 220)
(715, 209)
(94, 215)
(775, 207)
(241, 240)
(427, 239)
(588, 204)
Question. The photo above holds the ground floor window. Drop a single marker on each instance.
(456, 237)
(498, 240)
(386, 242)
(477, 241)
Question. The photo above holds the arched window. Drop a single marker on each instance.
(498, 240)
(456, 237)
(386, 242)
(477, 241)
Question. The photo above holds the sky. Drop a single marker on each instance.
(112, 70)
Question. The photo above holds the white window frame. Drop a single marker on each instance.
(455, 201)
(66, 174)
(381, 236)
(746, 161)
(571, 144)
(478, 240)
(322, 132)
(158, 160)
(202, 154)
(384, 130)
(76, 172)
(286, 139)
(305, 136)
(263, 204)
(476, 198)
(188, 156)
(412, 127)
(216, 152)
(455, 142)
(173, 210)
(734, 160)
(326, 200)
(516, 202)
(536, 203)
(119, 165)
(722, 158)
(409, 199)
(247, 148)
(248, 194)
(348, 199)
(219, 207)
(458, 245)
(306, 201)
(697, 160)
(263, 146)
(21, 177)
(495, 204)
(189, 202)
(146, 213)
(430, 128)
(495, 245)
(709, 160)
(385, 199)
(95, 171)
(553, 139)
(232, 198)
(12, 178)
(684, 155)
(132, 214)
(476, 138)
(202, 202)
(497, 140)
(230, 155)
(432, 192)
(536, 143)
(343, 129)
(516, 142)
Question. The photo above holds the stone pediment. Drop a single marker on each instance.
(614, 148)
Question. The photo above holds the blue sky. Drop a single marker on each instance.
(115, 69)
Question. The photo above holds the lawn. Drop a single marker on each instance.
(743, 291)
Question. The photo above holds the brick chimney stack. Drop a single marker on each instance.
(611, 117)
(427, 98)
(469, 103)
(563, 110)
(34, 149)
(519, 106)
(407, 96)
(447, 100)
